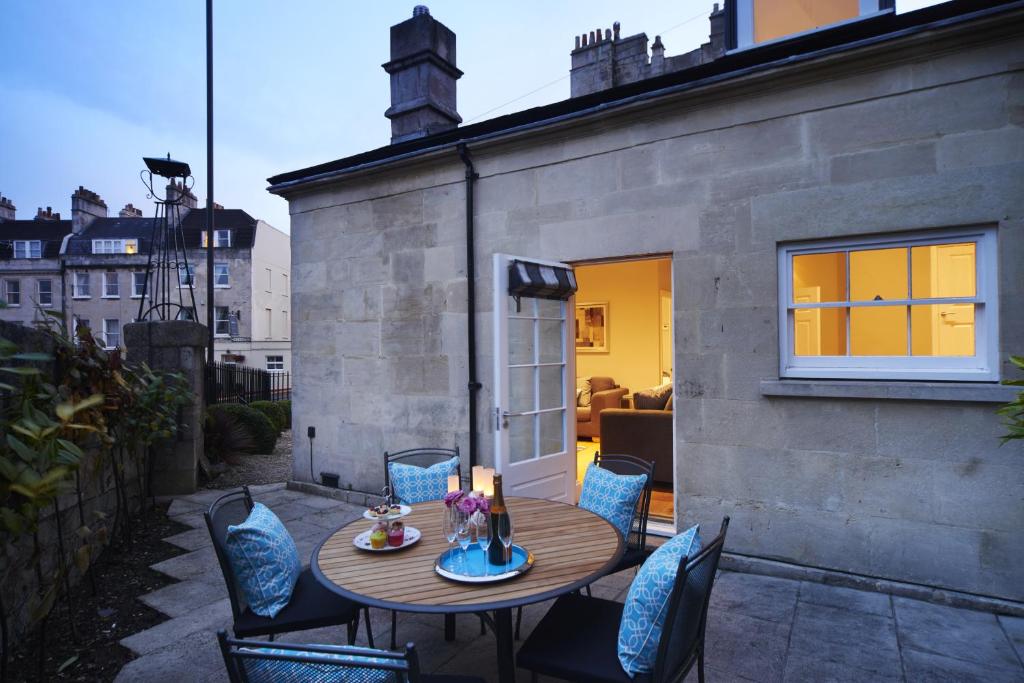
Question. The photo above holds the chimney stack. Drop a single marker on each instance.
(7, 209)
(423, 75)
(178, 193)
(130, 211)
(86, 206)
(47, 215)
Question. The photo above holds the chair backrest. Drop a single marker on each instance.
(632, 465)
(688, 610)
(420, 457)
(231, 508)
(252, 661)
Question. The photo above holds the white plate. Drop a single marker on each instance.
(405, 509)
(362, 541)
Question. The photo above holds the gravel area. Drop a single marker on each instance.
(258, 469)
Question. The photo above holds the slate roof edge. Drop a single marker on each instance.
(930, 18)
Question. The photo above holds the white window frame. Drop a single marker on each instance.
(287, 330)
(139, 284)
(745, 23)
(111, 283)
(218, 267)
(275, 363)
(270, 281)
(7, 292)
(28, 249)
(217, 321)
(118, 246)
(40, 293)
(191, 270)
(981, 367)
(80, 285)
(221, 238)
(270, 323)
(285, 284)
(107, 333)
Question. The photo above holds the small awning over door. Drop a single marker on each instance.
(540, 281)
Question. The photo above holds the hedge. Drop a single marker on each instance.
(273, 411)
(286, 408)
(263, 431)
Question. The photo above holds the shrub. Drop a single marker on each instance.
(226, 437)
(286, 408)
(262, 430)
(271, 410)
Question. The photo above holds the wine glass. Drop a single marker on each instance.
(505, 533)
(484, 537)
(448, 525)
(462, 535)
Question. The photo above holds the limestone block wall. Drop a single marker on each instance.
(917, 135)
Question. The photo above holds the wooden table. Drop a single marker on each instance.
(571, 546)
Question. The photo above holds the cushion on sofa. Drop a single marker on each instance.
(601, 384)
(654, 398)
(413, 484)
(583, 414)
(265, 561)
(643, 615)
(583, 392)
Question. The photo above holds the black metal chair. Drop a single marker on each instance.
(636, 543)
(420, 457)
(311, 606)
(249, 661)
(577, 640)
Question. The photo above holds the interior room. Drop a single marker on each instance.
(624, 368)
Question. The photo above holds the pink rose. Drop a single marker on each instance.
(452, 497)
(466, 505)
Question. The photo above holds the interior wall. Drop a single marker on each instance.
(631, 290)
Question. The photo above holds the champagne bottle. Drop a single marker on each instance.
(500, 523)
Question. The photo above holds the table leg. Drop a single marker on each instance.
(503, 637)
(449, 627)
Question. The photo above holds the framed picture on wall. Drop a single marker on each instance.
(592, 327)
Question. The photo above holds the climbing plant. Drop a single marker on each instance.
(1014, 410)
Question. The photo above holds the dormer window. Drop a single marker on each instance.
(28, 249)
(123, 246)
(763, 21)
(221, 238)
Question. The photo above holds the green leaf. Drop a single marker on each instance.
(65, 411)
(33, 356)
(25, 372)
(72, 659)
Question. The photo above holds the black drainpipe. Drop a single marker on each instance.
(474, 384)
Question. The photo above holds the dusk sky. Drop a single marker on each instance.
(88, 88)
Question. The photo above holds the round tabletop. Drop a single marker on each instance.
(572, 547)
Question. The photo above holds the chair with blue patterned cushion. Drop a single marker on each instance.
(311, 604)
(578, 639)
(250, 661)
(415, 459)
(636, 541)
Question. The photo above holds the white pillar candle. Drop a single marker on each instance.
(453, 482)
(477, 478)
(487, 485)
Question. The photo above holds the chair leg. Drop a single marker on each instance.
(519, 620)
(353, 627)
(369, 631)
(483, 627)
(589, 595)
(449, 627)
(270, 637)
(700, 665)
(394, 630)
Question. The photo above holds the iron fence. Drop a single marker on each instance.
(227, 383)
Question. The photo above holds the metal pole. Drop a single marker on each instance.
(209, 180)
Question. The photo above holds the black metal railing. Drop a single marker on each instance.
(227, 383)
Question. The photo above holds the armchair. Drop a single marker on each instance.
(605, 394)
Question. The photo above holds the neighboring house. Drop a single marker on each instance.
(30, 275)
(102, 266)
(824, 198)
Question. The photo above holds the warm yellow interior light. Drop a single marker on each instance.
(778, 18)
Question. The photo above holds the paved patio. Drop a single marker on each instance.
(759, 629)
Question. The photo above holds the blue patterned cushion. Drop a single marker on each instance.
(265, 560)
(414, 484)
(261, 670)
(643, 616)
(613, 496)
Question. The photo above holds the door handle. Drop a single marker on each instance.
(502, 416)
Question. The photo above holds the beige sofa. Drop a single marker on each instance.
(605, 394)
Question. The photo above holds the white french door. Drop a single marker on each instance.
(534, 390)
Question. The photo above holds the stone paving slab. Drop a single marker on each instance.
(760, 628)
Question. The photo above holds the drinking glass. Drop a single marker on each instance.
(448, 525)
(484, 537)
(462, 535)
(505, 533)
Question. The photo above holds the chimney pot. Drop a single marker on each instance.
(420, 10)
(615, 30)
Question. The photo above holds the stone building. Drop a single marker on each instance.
(30, 274)
(96, 265)
(840, 201)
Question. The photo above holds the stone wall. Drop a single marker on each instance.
(917, 134)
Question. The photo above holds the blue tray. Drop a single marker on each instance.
(470, 567)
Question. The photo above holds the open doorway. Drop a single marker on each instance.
(624, 369)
